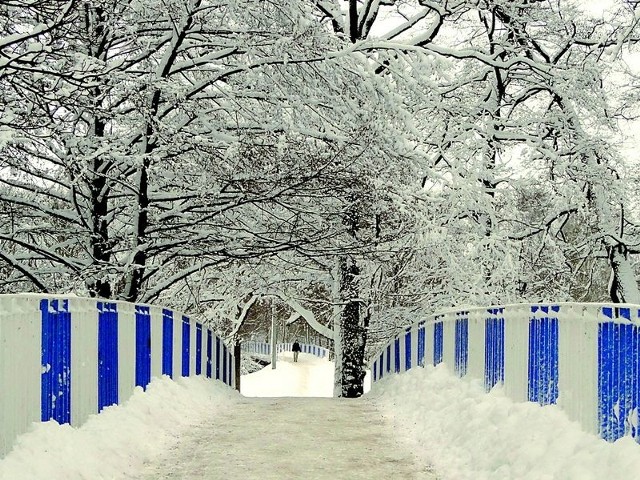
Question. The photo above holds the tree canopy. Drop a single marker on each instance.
(365, 160)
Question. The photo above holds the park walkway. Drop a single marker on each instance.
(298, 435)
(292, 438)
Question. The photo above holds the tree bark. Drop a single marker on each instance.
(623, 287)
(352, 332)
(99, 243)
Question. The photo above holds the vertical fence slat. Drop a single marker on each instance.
(461, 344)
(407, 349)
(494, 349)
(209, 353)
(438, 343)
(186, 345)
(421, 343)
(107, 354)
(167, 342)
(224, 361)
(396, 355)
(543, 367)
(56, 361)
(143, 346)
(198, 348)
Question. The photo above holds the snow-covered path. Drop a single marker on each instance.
(291, 438)
(284, 429)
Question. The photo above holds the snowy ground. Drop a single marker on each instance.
(469, 435)
(198, 429)
(310, 377)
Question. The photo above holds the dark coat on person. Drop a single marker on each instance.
(296, 347)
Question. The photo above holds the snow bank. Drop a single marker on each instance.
(116, 443)
(468, 434)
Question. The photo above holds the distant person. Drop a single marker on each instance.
(296, 350)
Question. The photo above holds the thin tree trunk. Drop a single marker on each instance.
(99, 242)
(623, 287)
(136, 276)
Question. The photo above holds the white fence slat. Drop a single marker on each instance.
(516, 368)
(20, 367)
(156, 341)
(449, 341)
(192, 346)
(84, 359)
(126, 350)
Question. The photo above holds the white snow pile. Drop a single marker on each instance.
(116, 443)
(468, 434)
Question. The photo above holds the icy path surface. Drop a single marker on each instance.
(282, 437)
(291, 438)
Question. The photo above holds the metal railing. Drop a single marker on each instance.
(584, 358)
(64, 358)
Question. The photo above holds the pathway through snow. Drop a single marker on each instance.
(291, 438)
(283, 437)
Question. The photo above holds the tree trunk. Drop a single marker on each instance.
(623, 287)
(136, 276)
(99, 286)
(99, 243)
(237, 354)
(352, 334)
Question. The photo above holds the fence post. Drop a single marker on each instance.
(274, 337)
(236, 364)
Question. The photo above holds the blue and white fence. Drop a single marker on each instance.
(263, 348)
(583, 357)
(65, 358)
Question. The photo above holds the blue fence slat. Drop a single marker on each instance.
(438, 333)
(605, 394)
(543, 357)
(634, 366)
(407, 349)
(224, 361)
(534, 343)
(396, 352)
(494, 349)
(389, 358)
(167, 342)
(209, 352)
(461, 346)
(186, 345)
(618, 379)
(55, 400)
(381, 365)
(217, 359)
(198, 348)
(143, 346)
(421, 343)
(107, 354)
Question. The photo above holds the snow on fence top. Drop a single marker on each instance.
(583, 357)
(63, 358)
